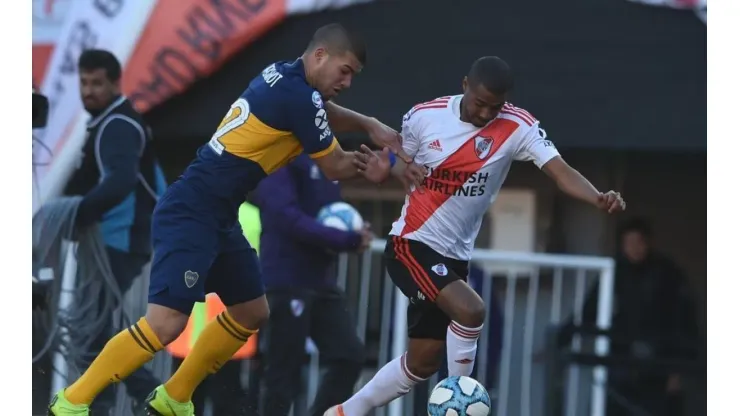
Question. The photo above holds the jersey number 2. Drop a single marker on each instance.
(237, 116)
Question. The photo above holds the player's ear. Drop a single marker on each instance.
(320, 54)
(465, 84)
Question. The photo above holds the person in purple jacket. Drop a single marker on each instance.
(297, 255)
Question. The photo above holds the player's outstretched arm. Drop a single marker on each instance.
(571, 182)
(344, 120)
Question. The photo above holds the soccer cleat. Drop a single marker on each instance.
(335, 411)
(159, 403)
(60, 406)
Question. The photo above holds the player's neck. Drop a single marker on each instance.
(463, 118)
(307, 71)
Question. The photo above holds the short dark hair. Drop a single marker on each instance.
(493, 72)
(638, 225)
(337, 39)
(92, 59)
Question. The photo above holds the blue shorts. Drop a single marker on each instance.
(193, 258)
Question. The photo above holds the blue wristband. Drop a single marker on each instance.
(392, 158)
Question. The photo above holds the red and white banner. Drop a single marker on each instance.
(189, 39)
(163, 45)
(48, 17)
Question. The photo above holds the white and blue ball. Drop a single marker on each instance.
(459, 396)
(342, 216)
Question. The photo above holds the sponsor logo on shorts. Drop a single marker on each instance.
(440, 269)
(191, 278)
(464, 361)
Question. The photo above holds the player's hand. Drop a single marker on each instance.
(412, 177)
(367, 238)
(385, 136)
(372, 166)
(612, 202)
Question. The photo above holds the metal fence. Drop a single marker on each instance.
(536, 290)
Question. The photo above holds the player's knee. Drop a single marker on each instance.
(461, 304)
(166, 323)
(472, 313)
(260, 318)
(251, 314)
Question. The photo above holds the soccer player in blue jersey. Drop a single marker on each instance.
(198, 243)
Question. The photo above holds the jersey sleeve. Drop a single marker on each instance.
(410, 133)
(535, 147)
(310, 124)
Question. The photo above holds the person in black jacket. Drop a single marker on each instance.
(120, 182)
(654, 318)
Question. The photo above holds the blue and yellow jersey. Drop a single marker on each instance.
(279, 116)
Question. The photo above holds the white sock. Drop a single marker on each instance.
(462, 343)
(390, 382)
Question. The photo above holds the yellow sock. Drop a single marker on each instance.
(123, 354)
(218, 342)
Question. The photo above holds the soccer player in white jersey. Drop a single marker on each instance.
(467, 143)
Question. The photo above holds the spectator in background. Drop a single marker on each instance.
(298, 256)
(654, 318)
(120, 182)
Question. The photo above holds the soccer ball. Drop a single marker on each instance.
(342, 216)
(459, 396)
